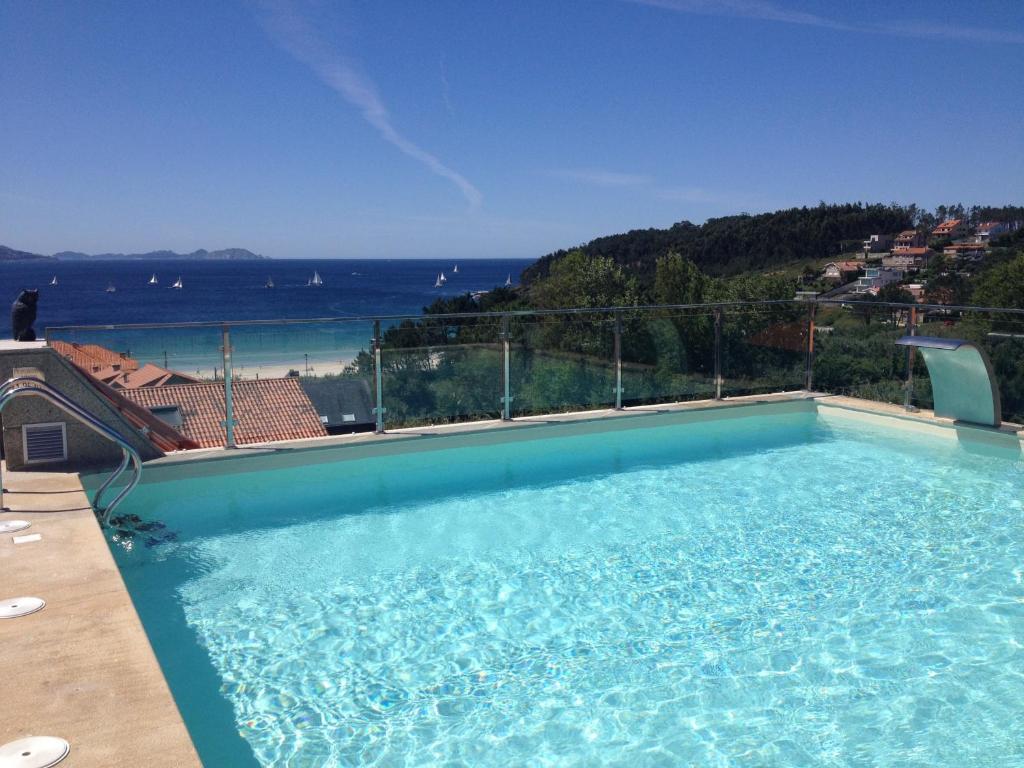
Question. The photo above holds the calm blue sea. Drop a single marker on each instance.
(215, 290)
(221, 291)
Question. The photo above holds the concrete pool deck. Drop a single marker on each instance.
(83, 669)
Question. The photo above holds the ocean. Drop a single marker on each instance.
(235, 290)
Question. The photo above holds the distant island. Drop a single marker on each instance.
(10, 254)
(224, 254)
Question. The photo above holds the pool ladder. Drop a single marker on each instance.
(30, 385)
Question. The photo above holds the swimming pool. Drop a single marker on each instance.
(780, 586)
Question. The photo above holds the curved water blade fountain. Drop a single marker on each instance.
(963, 384)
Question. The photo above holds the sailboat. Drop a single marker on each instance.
(177, 283)
(317, 280)
(442, 279)
(54, 281)
(270, 283)
(437, 282)
(508, 281)
(455, 269)
(153, 280)
(110, 288)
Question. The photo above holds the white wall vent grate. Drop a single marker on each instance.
(44, 442)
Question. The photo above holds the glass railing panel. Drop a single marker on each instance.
(667, 356)
(299, 380)
(764, 348)
(855, 352)
(438, 371)
(562, 363)
(175, 374)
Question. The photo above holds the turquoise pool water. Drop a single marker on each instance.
(763, 591)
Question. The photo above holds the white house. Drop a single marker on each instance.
(875, 278)
(989, 230)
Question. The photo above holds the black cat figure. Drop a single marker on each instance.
(23, 314)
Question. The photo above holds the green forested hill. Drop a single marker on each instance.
(735, 244)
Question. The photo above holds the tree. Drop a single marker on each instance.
(579, 280)
(1002, 286)
(678, 281)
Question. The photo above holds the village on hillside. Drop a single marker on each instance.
(905, 259)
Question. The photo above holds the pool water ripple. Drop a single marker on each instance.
(796, 607)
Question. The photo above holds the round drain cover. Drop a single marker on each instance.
(33, 752)
(13, 607)
(13, 526)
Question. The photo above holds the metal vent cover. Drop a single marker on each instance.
(44, 442)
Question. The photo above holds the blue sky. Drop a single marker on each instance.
(492, 129)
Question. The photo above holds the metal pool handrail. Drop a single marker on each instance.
(520, 313)
(30, 385)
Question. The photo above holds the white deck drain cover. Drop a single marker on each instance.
(11, 526)
(33, 752)
(12, 608)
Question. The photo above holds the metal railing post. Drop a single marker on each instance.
(378, 379)
(618, 361)
(812, 310)
(718, 354)
(908, 385)
(506, 352)
(229, 403)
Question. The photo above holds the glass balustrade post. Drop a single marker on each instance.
(809, 348)
(908, 386)
(718, 354)
(618, 361)
(229, 403)
(506, 351)
(378, 378)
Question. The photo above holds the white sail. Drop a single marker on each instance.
(153, 280)
(317, 280)
(178, 283)
(54, 281)
(455, 269)
(508, 281)
(437, 282)
(442, 278)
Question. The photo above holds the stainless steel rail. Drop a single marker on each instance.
(811, 308)
(30, 385)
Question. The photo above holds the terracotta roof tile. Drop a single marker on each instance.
(149, 375)
(946, 226)
(93, 358)
(266, 410)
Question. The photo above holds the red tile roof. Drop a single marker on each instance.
(967, 247)
(94, 358)
(265, 410)
(161, 434)
(148, 375)
(946, 227)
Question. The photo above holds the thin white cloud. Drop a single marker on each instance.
(446, 89)
(748, 9)
(691, 195)
(768, 11)
(292, 32)
(647, 185)
(601, 178)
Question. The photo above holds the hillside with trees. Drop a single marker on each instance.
(736, 245)
(733, 245)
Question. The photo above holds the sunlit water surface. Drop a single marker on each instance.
(762, 592)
